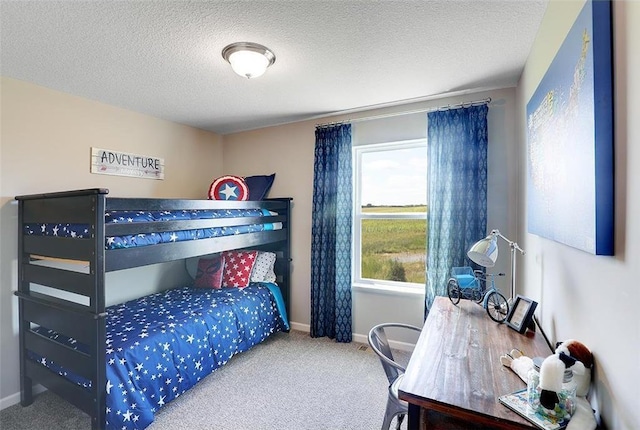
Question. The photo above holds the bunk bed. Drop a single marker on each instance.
(67, 333)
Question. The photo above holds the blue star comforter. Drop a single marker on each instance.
(159, 346)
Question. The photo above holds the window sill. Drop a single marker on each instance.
(388, 289)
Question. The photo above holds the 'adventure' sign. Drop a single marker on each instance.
(106, 162)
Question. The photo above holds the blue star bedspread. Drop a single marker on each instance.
(159, 346)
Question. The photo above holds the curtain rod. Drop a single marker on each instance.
(425, 110)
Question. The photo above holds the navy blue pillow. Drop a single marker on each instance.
(259, 186)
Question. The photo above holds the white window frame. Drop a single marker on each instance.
(358, 216)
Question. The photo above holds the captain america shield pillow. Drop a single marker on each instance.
(229, 187)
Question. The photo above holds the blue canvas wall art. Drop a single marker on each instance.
(570, 139)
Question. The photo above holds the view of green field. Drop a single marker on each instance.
(394, 249)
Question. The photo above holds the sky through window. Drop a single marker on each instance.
(394, 177)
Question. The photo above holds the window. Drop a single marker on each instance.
(390, 214)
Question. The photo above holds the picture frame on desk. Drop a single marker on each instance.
(521, 314)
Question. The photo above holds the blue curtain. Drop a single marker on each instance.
(457, 183)
(331, 234)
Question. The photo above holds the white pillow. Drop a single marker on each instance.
(263, 267)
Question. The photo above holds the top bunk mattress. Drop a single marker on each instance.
(113, 217)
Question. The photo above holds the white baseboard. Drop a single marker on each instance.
(360, 338)
(14, 399)
(300, 327)
(402, 346)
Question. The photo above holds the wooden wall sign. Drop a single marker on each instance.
(107, 162)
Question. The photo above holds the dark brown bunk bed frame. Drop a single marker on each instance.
(86, 323)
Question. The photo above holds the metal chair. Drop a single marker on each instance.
(394, 371)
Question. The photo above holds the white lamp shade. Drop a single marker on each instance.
(248, 64)
(485, 251)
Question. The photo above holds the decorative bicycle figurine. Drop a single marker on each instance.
(467, 284)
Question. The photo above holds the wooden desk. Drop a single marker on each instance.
(454, 376)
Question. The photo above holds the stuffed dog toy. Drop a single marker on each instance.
(570, 354)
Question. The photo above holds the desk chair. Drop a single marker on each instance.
(394, 371)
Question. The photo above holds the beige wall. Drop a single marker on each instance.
(45, 142)
(288, 150)
(594, 298)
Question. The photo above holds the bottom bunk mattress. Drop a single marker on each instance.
(159, 346)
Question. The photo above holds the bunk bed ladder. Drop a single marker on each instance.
(285, 268)
(26, 384)
(55, 308)
(97, 272)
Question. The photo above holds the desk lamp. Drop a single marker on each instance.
(485, 253)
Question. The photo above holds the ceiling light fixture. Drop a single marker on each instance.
(248, 59)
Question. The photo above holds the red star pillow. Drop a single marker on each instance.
(237, 268)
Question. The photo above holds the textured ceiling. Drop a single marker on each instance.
(163, 58)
